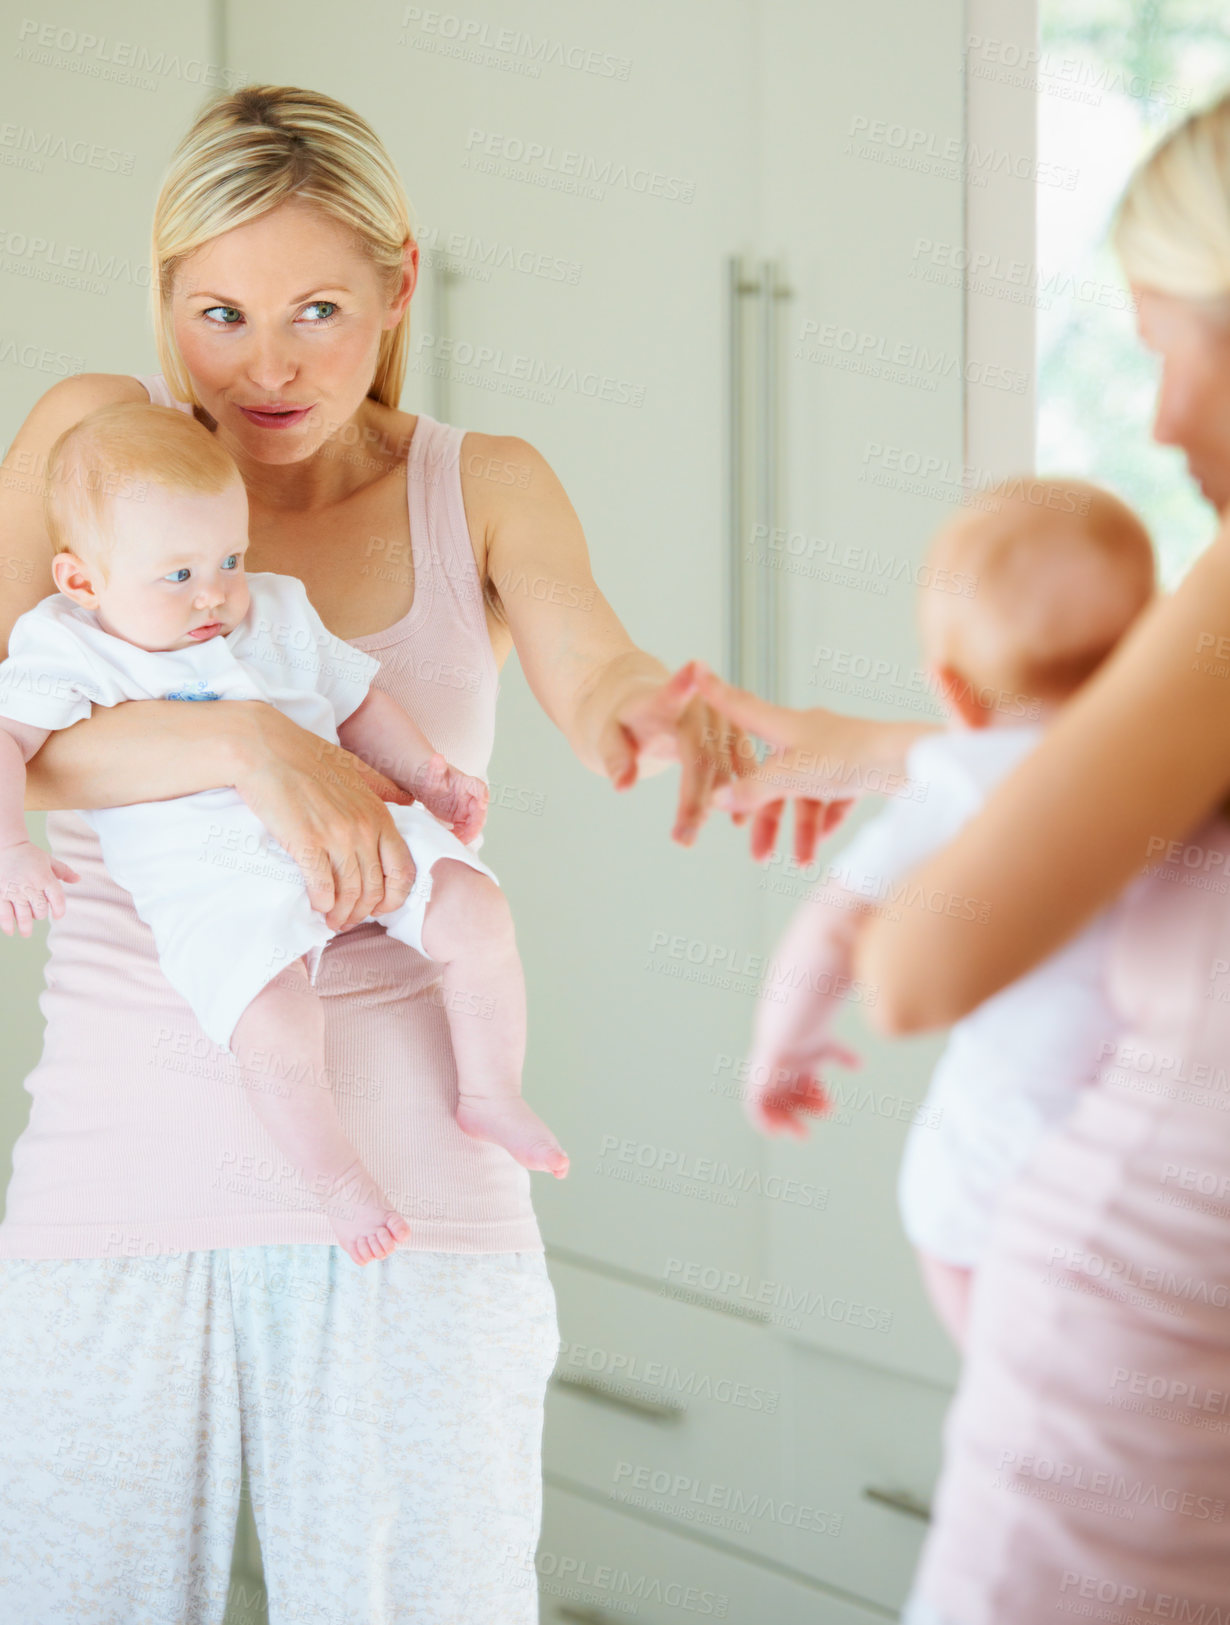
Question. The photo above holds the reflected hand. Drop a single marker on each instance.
(805, 765)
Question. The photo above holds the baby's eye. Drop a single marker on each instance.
(179, 575)
(231, 562)
(229, 315)
(327, 305)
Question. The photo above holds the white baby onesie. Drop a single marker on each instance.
(1013, 1067)
(227, 905)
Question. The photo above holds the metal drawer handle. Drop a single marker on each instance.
(585, 1616)
(658, 1410)
(899, 1500)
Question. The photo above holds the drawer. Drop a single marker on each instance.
(670, 1410)
(724, 1428)
(868, 1442)
(595, 1566)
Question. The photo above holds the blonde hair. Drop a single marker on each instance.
(116, 452)
(262, 146)
(1060, 568)
(1171, 229)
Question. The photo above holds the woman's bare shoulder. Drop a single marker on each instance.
(71, 399)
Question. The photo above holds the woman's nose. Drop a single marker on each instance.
(270, 366)
(1168, 415)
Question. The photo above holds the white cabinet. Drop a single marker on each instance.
(727, 1430)
(860, 107)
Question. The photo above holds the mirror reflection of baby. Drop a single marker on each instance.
(149, 518)
(1045, 587)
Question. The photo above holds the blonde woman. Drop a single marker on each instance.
(169, 1302)
(1087, 1451)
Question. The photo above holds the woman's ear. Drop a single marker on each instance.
(409, 281)
(958, 695)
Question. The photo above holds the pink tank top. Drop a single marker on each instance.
(140, 1141)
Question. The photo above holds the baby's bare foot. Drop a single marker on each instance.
(365, 1223)
(509, 1122)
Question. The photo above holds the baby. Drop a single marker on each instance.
(149, 518)
(1060, 571)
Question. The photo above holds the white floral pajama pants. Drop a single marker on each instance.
(390, 1418)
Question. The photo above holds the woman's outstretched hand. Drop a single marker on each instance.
(674, 723)
(808, 764)
(326, 806)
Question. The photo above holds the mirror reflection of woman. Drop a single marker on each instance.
(168, 1302)
(1087, 1452)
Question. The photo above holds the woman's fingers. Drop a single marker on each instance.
(706, 761)
(776, 723)
(316, 867)
(397, 870)
(619, 757)
(808, 822)
(765, 825)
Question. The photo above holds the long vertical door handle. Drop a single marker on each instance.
(742, 286)
(771, 464)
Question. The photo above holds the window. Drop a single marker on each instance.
(1112, 76)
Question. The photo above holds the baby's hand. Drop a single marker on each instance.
(452, 796)
(29, 885)
(788, 1089)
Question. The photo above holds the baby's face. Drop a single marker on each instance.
(176, 573)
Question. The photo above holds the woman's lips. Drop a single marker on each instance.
(275, 417)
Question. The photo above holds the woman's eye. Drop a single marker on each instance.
(179, 575)
(228, 318)
(327, 305)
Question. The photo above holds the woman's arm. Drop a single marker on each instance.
(617, 706)
(320, 802)
(1140, 755)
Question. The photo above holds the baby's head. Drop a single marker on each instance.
(149, 520)
(1060, 569)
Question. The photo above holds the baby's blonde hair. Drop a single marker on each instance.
(261, 146)
(1059, 570)
(114, 454)
(1171, 229)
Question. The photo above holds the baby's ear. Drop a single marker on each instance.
(959, 697)
(74, 578)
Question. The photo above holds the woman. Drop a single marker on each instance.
(1087, 1451)
(167, 1299)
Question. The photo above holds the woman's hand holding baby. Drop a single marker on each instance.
(30, 886)
(326, 806)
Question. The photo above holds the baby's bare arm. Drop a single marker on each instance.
(387, 738)
(18, 742)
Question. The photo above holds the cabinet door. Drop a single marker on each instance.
(578, 222)
(93, 106)
(594, 1565)
(864, 127)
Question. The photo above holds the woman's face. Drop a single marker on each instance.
(1193, 402)
(279, 323)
